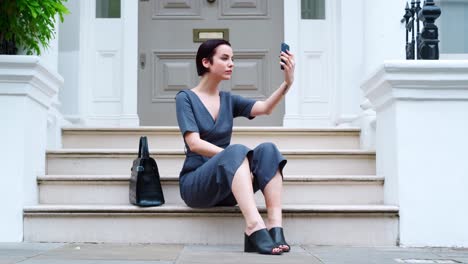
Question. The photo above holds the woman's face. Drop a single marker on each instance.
(222, 63)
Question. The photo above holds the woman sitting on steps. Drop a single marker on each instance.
(216, 173)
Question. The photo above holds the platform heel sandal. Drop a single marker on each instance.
(260, 241)
(277, 235)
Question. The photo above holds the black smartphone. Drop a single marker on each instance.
(284, 48)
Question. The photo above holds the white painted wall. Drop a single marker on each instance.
(350, 61)
(422, 109)
(365, 33)
(384, 34)
(371, 33)
(69, 61)
(27, 89)
(49, 56)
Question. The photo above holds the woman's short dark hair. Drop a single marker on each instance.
(207, 50)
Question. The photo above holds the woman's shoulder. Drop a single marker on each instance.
(183, 95)
(226, 93)
(183, 92)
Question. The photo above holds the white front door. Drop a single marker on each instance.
(313, 37)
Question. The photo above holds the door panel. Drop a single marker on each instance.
(167, 47)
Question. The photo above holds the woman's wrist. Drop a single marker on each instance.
(286, 87)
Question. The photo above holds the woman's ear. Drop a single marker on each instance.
(206, 63)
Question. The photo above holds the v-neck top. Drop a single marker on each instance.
(193, 116)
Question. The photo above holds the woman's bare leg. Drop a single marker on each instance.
(273, 196)
(243, 192)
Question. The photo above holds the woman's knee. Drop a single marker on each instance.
(244, 167)
(237, 148)
(267, 147)
(243, 171)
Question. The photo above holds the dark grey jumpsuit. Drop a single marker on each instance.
(204, 181)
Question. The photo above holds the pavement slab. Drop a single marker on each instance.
(377, 255)
(95, 253)
(236, 254)
(75, 261)
(114, 252)
(11, 253)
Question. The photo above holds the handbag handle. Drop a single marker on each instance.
(143, 149)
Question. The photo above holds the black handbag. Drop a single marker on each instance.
(145, 183)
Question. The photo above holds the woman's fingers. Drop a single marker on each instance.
(288, 63)
(288, 58)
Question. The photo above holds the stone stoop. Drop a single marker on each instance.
(113, 189)
(163, 138)
(304, 224)
(331, 194)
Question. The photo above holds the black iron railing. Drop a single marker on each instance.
(424, 45)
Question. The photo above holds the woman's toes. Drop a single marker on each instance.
(284, 247)
(277, 250)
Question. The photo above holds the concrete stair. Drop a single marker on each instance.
(331, 194)
(163, 138)
(306, 190)
(118, 161)
(304, 224)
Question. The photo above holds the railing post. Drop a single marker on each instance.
(426, 44)
(409, 47)
(417, 8)
(429, 46)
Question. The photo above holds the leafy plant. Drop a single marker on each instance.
(29, 24)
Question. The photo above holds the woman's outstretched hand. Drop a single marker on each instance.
(266, 107)
(288, 65)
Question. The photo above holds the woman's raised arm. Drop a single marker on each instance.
(267, 106)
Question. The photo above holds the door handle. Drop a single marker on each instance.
(142, 60)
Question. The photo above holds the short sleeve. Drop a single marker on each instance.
(242, 106)
(185, 116)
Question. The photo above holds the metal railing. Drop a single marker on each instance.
(424, 45)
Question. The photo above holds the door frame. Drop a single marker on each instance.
(295, 32)
(292, 33)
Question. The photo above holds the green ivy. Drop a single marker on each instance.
(30, 23)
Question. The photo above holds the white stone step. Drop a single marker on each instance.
(113, 189)
(358, 225)
(163, 138)
(119, 162)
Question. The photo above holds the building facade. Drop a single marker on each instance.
(120, 63)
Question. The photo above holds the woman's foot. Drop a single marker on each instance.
(277, 235)
(260, 241)
(254, 226)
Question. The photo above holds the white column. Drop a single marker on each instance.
(422, 128)
(292, 111)
(129, 115)
(383, 38)
(350, 42)
(26, 92)
(71, 45)
(55, 120)
(384, 34)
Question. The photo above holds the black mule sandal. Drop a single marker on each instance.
(277, 235)
(260, 241)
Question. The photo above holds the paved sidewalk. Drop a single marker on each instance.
(54, 253)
